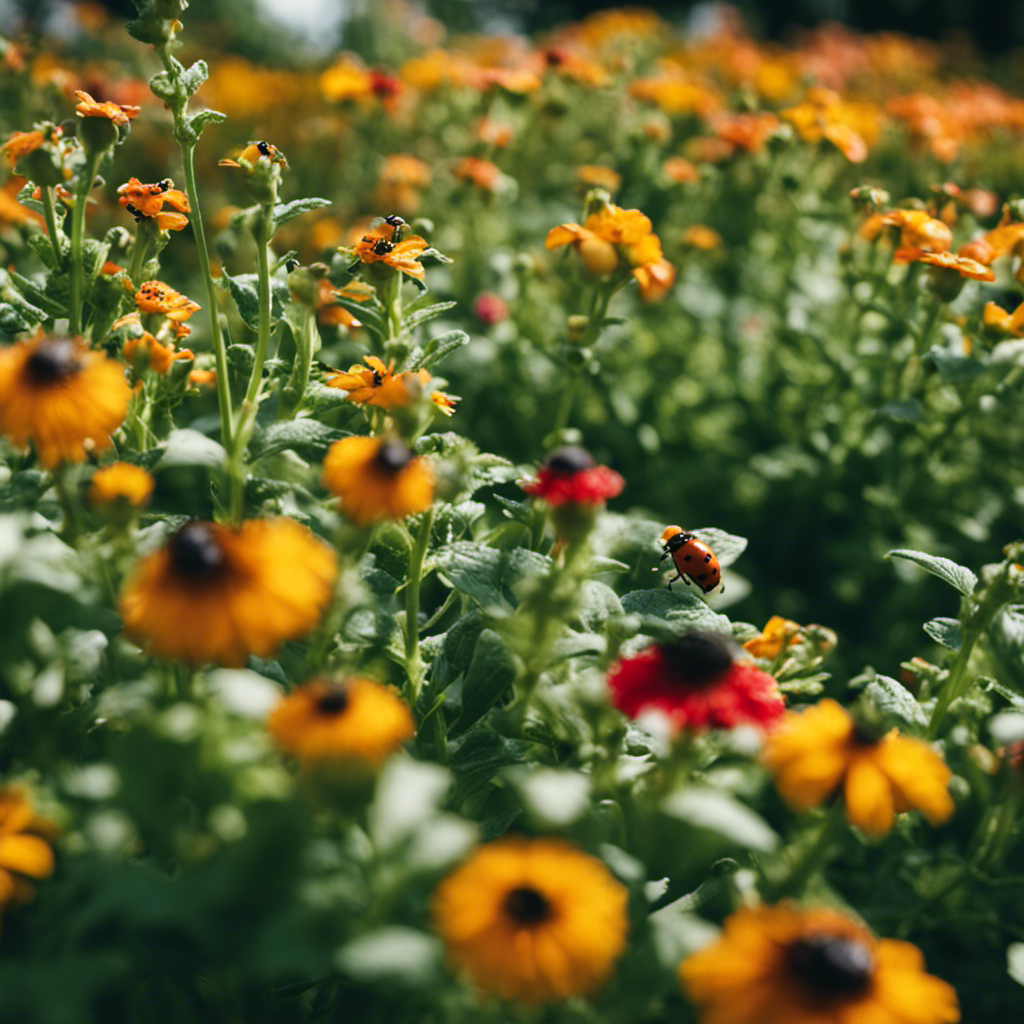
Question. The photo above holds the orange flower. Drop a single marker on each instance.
(606, 235)
(480, 173)
(146, 351)
(700, 236)
(964, 266)
(655, 280)
(594, 175)
(328, 312)
(680, 170)
(118, 113)
(254, 152)
(146, 202)
(157, 297)
(919, 233)
(21, 144)
(401, 177)
(999, 321)
(445, 403)
(378, 246)
(121, 484)
(377, 384)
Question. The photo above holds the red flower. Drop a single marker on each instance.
(696, 683)
(571, 475)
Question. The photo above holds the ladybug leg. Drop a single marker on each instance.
(665, 555)
(678, 576)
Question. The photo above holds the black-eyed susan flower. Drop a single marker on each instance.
(698, 684)
(782, 965)
(823, 751)
(377, 384)
(570, 475)
(64, 398)
(117, 113)
(24, 850)
(377, 478)
(534, 920)
(147, 202)
(213, 594)
(120, 484)
(353, 720)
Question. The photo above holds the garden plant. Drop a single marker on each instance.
(509, 529)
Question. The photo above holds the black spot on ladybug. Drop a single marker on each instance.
(707, 557)
(687, 558)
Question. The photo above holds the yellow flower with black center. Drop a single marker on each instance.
(64, 398)
(823, 751)
(329, 721)
(377, 478)
(213, 594)
(377, 384)
(534, 920)
(24, 851)
(781, 965)
(120, 483)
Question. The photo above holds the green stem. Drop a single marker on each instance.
(50, 213)
(813, 858)
(68, 505)
(75, 313)
(263, 326)
(413, 665)
(219, 348)
(138, 257)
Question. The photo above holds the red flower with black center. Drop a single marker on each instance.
(571, 475)
(697, 684)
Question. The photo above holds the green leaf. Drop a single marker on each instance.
(196, 124)
(489, 677)
(392, 955)
(420, 316)
(681, 608)
(409, 794)
(958, 576)
(908, 411)
(36, 295)
(946, 631)
(716, 811)
(553, 797)
(439, 348)
(486, 574)
(244, 290)
(894, 699)
(284, 212)
(597, 603)
(476, 757)
(310, 438)
(191, 448)
(1015, 961)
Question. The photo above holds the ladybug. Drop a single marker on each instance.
(693, 559)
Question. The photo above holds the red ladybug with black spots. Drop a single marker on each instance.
(693, 559)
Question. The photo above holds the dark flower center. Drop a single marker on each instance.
(832, 965)
(333, 700)
(697, 658)
(54, 359)
(568, 460)
(868, 734)
(525, 905)
(195, 553)
(393, 456)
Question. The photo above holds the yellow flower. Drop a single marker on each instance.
(253, 153)
(781, 965)
(822, 751)
(377, 478)
(346, 80)
(379, 246)
(591, 175)
(608, 235)
(445, 403)
(328, 721)
(118, 113)
(401, 177)
(532, 919)
(700, 236)
(777, 633)
(64, 398)
(146, 202)
(22, 143)
(146, 352)
(377, 384)
(999, 321)
(212, 594)
(23, 849)
(121, 483)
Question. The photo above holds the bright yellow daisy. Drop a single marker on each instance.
(64, 398)
(533, 920)
(782, 965)
(822, 751)
(212, 594)
(325, 720)
(24, 851)
(378, 478)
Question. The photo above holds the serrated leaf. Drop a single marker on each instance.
(198, 123)
(945, 631)
(486, 574)
(958, 576)
(478, 756)
(426, 313)
(892, 698)
(310, 438)
(244, 289)
(681, 608)
(285, 212)
(37, 296)
(440, 347)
